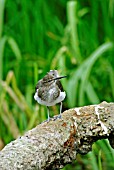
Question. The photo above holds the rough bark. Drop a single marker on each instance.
(53, 144)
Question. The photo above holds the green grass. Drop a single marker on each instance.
(75, 37)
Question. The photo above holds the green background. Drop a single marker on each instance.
(74, 37)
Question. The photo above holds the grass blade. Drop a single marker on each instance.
(93, 161)
(72, 23)
(91, 94)
(88, 66)
(14, 47)
(2, 5)
(2, 46)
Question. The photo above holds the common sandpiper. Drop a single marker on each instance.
(49, 91)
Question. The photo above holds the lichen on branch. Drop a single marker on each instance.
(53, 144)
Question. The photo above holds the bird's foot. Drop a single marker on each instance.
(53, 119)
(59, 116)
(47, 120)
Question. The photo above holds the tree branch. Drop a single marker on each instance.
(53, 144)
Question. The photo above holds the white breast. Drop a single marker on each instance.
(60, 98)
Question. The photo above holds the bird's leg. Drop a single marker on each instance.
(60, 110)
(48, 113)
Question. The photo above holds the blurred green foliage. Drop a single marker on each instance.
(75, 37)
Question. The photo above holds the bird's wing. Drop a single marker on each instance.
(58, 83)
(39, 84)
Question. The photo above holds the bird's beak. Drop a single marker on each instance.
(56, 78)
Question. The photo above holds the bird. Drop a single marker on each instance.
(49, 91)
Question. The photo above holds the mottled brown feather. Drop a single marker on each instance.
(59, 85)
